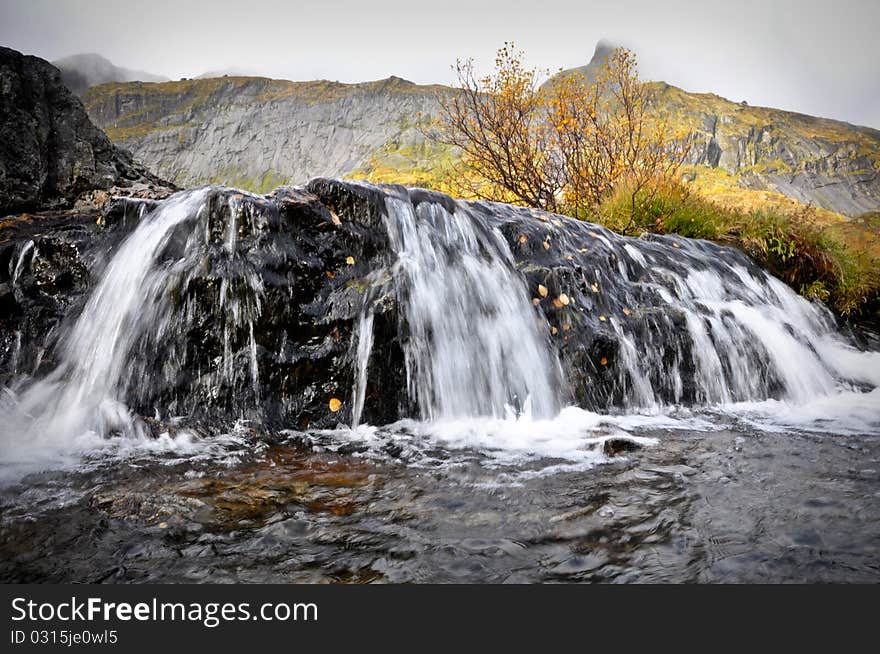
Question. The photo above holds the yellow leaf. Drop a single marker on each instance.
(563, 299)
(602, 318)
(335, 404)
(547, 245)
(542, 290)
(626, 312)
(595, 288)
(553, 330)
(349, 261)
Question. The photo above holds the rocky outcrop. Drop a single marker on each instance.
(826, 163)
(263, 298)
(281, 363)
(81, 71)
(50, 152)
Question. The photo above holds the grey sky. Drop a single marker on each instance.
(817, 57)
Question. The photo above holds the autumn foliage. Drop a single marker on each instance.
(563, 146)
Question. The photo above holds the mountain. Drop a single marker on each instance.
(604, 49)
(257, 133)
(81, 71)
(50, 152)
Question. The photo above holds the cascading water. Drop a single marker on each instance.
(474, 345)
(202, 390)
(498, 317)
(745, 335)
(131, 336)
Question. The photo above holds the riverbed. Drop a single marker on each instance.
(718, 504)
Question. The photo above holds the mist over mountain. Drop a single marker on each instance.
(81, 71)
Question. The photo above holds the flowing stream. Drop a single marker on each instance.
(700, 343)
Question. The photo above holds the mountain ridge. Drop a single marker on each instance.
(257, 132)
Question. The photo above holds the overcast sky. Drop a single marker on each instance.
(817, 57)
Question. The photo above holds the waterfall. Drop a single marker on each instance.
(224, 304)
(745, 335)
(474, 343)
(364, 347)
(131, 337)
(684, 322)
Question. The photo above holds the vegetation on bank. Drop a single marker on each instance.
(598, 150)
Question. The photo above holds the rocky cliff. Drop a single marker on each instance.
(50, 152)
(827, 163)
(257, 133)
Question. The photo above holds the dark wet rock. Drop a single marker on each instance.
(305, 264)
(618, 446)
(50, 152)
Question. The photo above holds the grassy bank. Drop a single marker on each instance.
(836, 263)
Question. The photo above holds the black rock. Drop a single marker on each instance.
(50, 152)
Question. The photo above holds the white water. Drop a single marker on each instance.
(749, 336)
(82, 398)
(478, 366)
(364, 348)
(474, 339)
(19, 261)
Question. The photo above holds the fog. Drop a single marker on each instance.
(813, 57)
